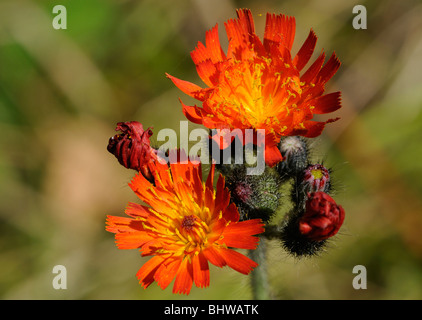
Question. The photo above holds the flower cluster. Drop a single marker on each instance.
(187, 222)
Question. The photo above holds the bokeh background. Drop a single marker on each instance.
(63, 91)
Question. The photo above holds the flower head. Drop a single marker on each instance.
(186, 224)
(260, 85)
(132, 147)
(322, 218)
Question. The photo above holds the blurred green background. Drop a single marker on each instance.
(63, 91)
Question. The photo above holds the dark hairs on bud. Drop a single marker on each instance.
(296, 243)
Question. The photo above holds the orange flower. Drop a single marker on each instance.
(186, 225)
(259, 85)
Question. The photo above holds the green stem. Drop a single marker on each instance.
(259, 276)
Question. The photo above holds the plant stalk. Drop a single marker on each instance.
(259, 276)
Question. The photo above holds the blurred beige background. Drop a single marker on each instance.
(63, 91)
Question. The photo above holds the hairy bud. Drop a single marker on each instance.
(294, 150)
(256, 196)
(306, 230)
(322, 218)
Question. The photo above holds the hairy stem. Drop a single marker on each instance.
(259, 276)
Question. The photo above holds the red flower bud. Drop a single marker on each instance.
(317, 178)
(322, 218)
(132, 147)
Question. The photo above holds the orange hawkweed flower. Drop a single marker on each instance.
(186, 224)
(259, 85)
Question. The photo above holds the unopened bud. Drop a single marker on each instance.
(306, 230)
(132, 147)
(316, 178)
(322, 218)
(256, 196)
(294, 150)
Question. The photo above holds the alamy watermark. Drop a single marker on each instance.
(245, 150)
(60, 280)
(60, 20)
(359, 281)
(360, 20)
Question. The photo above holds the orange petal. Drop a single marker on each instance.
(313, 70)
(218, 227)
(132, 240)
(213, 256)
(136, 210)
(279, 29)
(150, 248)
(209, 201)
(122, 224)
(208, 73)
(145, 275)
(222, 198)
(272, 155)
(246, 21)
(238, 32)
(231, 213)
(184, 278)
(211, 121)
(197, 186)
(166, 272)
(212, 41)
(327, 103)
(306, 51)
(201, 273)
(210, 178)
(237, 261)
(313, 128)
(186, 86)
(162, 175)
(192, 113)
(212, 49)
(329, 69)
(240, 235)
(139, 184)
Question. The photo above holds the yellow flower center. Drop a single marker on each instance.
(258, 95)
(190, 225)
(193, 233)
(317, 173)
